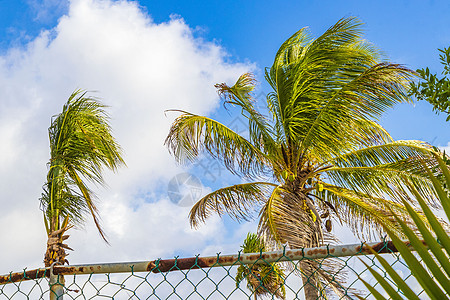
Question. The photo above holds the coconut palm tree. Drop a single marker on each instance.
(262, 278)
(326, 157)
(81, 145)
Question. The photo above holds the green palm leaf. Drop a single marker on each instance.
(381, 170)
(190, 134)
(362, 213)
(384, 153)
(260, 131)
(237, 201)
(434, 278)
(342, 113)
(380, 181)
(324, 87)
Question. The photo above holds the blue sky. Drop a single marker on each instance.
(147, 56)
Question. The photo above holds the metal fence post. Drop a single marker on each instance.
(56, 284)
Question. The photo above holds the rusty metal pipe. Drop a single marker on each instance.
(167, 265)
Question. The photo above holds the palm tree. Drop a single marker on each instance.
(81, 145)
(328, 157)
(262, 278)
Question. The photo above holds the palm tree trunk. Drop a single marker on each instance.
(310, 283)
(56, 254)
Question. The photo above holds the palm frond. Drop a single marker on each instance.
(238, 201)
(82, 136)
(274, 108)
(190, 134)
(363, 213)
(280, 81)
(431, 270)
(385, 153)
(260, 131)
(70, 203)
(381, 170)
(327, 88)
(302, 64)
(88, 200)
(343, 112)
(383, 181)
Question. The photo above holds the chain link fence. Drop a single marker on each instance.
(211, 277)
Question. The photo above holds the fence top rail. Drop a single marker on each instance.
(167, 265)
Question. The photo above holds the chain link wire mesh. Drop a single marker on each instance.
(195, 280)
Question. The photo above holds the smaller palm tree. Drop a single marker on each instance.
(262, 278)
(431, 270)
(81, 145)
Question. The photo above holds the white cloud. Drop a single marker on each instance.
(140, 69)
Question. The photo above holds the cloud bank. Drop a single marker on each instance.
(140, 69)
